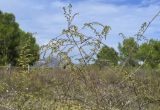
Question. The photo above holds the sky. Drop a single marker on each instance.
(45, 17)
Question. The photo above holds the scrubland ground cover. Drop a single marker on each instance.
(108, 89)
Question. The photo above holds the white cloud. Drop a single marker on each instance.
(148, 2)
(58, 4)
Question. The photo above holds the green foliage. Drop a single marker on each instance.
(149, 53)
(24, 55)
(11, 37)
(28, 50)
(107, 56)
(128, 52)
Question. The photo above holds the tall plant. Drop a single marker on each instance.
(24, 55)
(74, 45)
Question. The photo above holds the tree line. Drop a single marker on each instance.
(131, 54)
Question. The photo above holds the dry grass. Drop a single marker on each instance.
(108, 89)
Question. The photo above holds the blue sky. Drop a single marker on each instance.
(45, 17)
